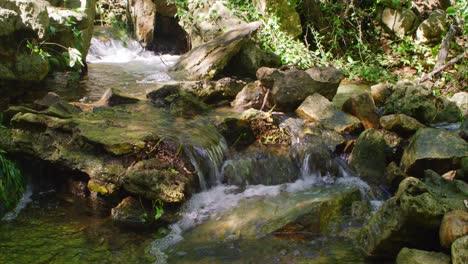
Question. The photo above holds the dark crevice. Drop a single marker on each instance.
(169, 36)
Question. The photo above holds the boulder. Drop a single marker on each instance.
(317, 108)
(237, 132)
(208, 91)
(401, 124)
(454, 225)
(289, 88)
(394, 176)
(113, 97)
(143, 14)
(46, 101)
(416, 256)
(177, 101)
(419, 103)
(369, 157)
(289, 19)
(398, 22)
(362, 106)
(459, 250)
(432, 29)
(461, 100)
(435, 149)
(346, 90)
(380, 92)
(207, 60)
(251, 96)
(412, 217)
(130, 212)
(320, 210)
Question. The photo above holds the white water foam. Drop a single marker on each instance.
(23, 202)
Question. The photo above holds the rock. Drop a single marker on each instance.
(412, 216)
(394, 175)
(435, 149)
(24, 15)
(460, 251)
(113, 97)
(346, 90)
(401, 124)
(208, 91)
(237, 132)
(461, 100)
(176, 101)
(143, 13)
(62, 110)
(320, 210)
(290, 88)
(251, 96)
(205, 61)
(259, 168)
(48, 100)
(249, 59)
(399, 22)
(362, 106)
(369, 157)
(318, 109)
(130, 212)
(289, 19)
(394, 4)
(416, 256)
(454, 225)
(154, 180)
(419, 103)
(432, 29)
(380, 92)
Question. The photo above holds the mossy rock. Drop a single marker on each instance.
(460, 251)
(435, 149)
(415, 256)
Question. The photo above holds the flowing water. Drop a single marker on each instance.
(222, 223)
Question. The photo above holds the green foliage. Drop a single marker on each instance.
(158, 208)
(11, 181)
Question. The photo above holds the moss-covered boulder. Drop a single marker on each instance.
(317, 108)
(320, 210)
(435, 149)
(369, 157)
(413, 216)
(401, 124)
(236, 131)
(416, 256)
(460, 251)
(130, 212)
(418, 102)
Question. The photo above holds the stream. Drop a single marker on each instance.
(221, 224)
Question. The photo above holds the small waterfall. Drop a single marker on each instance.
(208, 162)
(23, 202)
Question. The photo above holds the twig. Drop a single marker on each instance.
(444, 48)
(265, 99)
(443, 67)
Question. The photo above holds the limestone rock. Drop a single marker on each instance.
(289, 88)
(460, 250)
(432, 29)
(144, 16)
(412, 216)
(461, 100)
(318, 109)
(380, 92)
(205, 61)
(417, 102)
(368, 157)
(177, 101)
(415, 256)
(130, 212)
(400, 123)
(435, 149)
(346, 90)
(154, 180)
(454, 225)
(399, 22)
(362, 106)
(251, 96)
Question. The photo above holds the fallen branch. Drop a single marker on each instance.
(265, 99)
(444, 48)
(441, 68)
